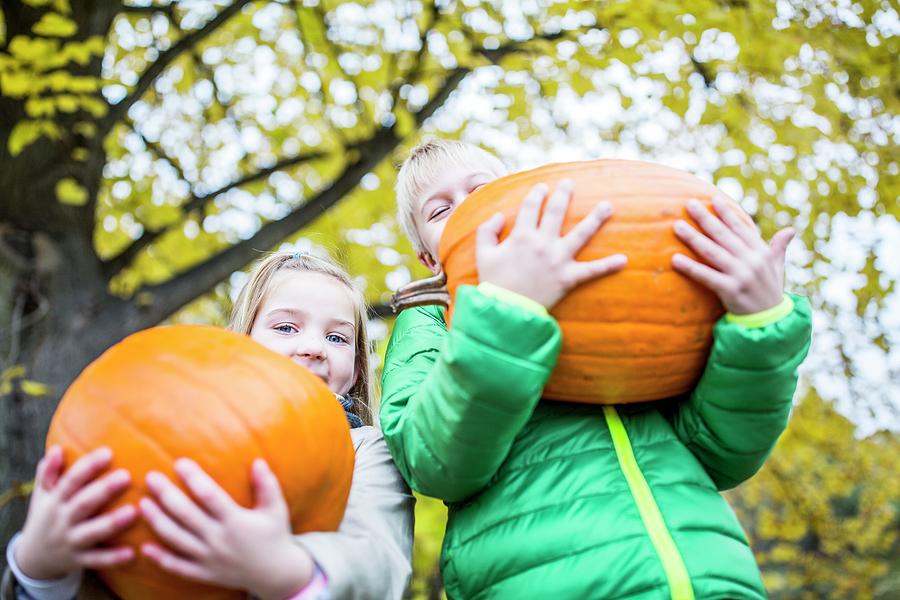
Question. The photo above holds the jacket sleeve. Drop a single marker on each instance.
(740, 407)
(370, 555)
(17, 586)
(454, 401)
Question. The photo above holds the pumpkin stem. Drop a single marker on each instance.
(432, 290)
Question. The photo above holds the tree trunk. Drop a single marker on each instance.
(60, 318)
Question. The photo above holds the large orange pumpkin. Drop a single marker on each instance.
(641, 334)
(222, 399)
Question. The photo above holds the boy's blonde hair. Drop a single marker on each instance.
(254, 292)
(423, 166)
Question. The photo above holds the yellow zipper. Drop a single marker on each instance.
(673, 565)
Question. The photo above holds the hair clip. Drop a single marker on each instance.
(299, 254)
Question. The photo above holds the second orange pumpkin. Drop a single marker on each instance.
(641, 334)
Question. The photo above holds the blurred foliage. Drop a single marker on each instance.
(791, 106)
(823, 515)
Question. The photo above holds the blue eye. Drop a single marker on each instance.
(285, 328)
(336, 339)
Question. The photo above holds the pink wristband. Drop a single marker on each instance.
(316, 589)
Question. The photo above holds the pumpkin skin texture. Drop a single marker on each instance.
(219, 398)
(641, 334)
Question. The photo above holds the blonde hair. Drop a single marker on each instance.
(423, 166)
(253, 293)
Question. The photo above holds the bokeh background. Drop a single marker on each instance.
(150, 151)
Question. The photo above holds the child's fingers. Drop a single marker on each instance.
(585, 229)
(103, 558)
(43, 475)
(99, 529)
(488, 233)
(587, 270)
(555, 210)
(715, 229)
(170, 532)
(266, 489)
(714, 254)
(208, 493)
(530, 209)
(53, 466)
(747, 232)
(706, 276)
(89, 499)
(175, 564)
(178, 504)
(82, 471)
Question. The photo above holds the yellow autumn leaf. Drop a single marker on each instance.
(12, 373)
(67, 103)
(16, 84)
(82, 52)
(85, 128)
(95, 106)
(23, 134)
(69, 191)
(35, 388)
(54, 25)
(40, 107)
(33, 50)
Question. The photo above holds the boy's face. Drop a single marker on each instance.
(438, 202)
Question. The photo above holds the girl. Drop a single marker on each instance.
(305, 308)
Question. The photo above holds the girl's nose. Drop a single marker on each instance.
(310, 346)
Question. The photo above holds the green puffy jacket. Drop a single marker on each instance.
(563, 500)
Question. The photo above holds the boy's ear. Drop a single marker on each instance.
(426, 259)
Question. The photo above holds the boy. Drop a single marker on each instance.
(562, 500)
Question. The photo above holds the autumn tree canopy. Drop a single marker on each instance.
(149, 151)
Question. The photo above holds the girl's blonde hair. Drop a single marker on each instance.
(252, 295)
(424, 165)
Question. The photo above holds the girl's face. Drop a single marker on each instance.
(309, 317)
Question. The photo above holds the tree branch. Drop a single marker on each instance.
(175, 293)
(178, 291)
(197, 202)
(118, 111)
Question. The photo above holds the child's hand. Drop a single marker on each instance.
(534, 260)
(746, 274)
(62, 533)
(219, 541)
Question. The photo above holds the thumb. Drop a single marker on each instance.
(488, 233)
(780, 242)
(266, 489)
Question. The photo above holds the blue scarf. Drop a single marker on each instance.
(347, 404)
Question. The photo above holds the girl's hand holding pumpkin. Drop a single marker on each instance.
(62, 532)
(535, 260)
(745, 273)
(220, 542)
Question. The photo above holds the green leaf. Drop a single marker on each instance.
(69, 191)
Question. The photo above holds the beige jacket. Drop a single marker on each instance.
(368, 557)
